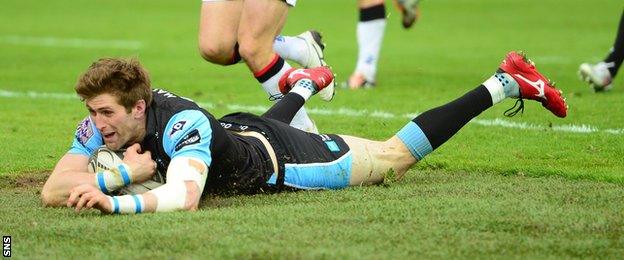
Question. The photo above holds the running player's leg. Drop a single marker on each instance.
(218, 37)
(370, 31)
(261, 21)
(218, 27)
(516, 78)
(616, 55)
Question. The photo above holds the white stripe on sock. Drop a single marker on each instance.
(495, 87)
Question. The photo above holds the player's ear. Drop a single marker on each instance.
(139, 108)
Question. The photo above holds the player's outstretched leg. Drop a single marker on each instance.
(516, 78)
(297, 86)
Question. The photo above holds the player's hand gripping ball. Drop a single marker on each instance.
(106, 159)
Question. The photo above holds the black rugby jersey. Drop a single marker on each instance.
(177, 126)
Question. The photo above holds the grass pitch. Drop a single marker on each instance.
(529, 186)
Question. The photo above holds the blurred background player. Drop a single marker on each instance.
(600, 75)
(370, 30)
(247, 30)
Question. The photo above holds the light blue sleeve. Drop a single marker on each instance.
(188, 133)
(87, 138)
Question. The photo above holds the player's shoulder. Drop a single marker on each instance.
(187, 119)
(188, 130)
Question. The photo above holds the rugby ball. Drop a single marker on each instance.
(105, 159)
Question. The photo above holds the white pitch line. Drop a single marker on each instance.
(578, 129)
(71, 42)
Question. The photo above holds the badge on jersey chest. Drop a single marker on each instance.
(177, 127)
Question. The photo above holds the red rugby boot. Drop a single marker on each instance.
(532, 84)
(321, 76)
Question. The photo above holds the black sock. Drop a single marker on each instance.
(617, 53)
(442, 122)
(372, 13)
(285, 109)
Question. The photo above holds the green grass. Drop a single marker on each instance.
(490, 192)
(430, 214)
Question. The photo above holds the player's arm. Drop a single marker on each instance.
(69, 172)
(187, 139)
(186, 177)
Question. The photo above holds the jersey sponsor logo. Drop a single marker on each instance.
(191, 138)
(84, 131)
(177, 127)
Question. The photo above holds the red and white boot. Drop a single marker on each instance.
(532, 84)
(320, 76)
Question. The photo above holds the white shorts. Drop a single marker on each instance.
(289, 2)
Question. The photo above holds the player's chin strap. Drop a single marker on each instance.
(173, 194)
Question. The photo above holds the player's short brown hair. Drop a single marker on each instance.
(125, 79)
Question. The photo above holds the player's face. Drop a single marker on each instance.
(118, 127)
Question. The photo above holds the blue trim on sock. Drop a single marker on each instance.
(137, 204)
(101, 182)
(415, 139)
(124, 174)
(115, 205)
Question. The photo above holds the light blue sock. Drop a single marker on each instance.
(415, 139)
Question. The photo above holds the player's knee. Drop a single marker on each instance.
(251, 50)
(216, 53)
